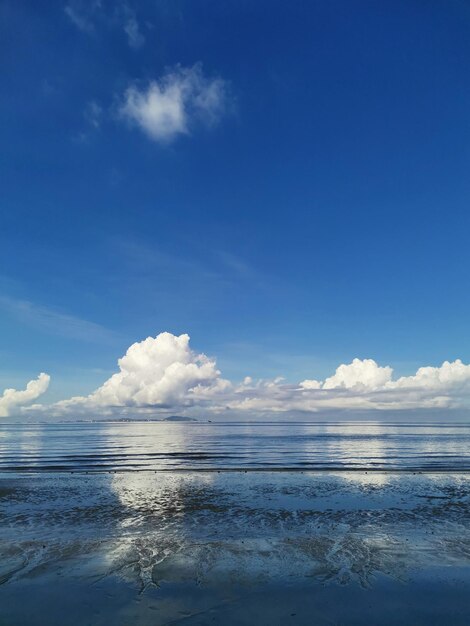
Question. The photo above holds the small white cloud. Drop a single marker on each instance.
(360, 373)
(13, 399)
(134, 36)
(170, 106)
(93, 114)
(89, 15)
(81, 15)
(310, 384)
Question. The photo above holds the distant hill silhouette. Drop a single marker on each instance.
(179, 418)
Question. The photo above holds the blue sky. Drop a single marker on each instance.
(318, 213)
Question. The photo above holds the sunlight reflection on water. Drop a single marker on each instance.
(177, 446)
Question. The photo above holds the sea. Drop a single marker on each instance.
(205, 523)
(158, 445)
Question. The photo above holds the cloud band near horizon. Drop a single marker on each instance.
(162, 375)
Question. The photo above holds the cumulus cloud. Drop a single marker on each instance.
(163, 374)
(367, 376)
(365, 385)
(12, 399)
(359, 374)
(449, 376)
(160, 372)
(172, 105)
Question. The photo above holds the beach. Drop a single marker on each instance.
(234, 547)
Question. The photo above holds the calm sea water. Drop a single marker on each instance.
(184, 446)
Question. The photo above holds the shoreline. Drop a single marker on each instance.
(239, 470)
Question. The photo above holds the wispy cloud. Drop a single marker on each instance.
(93, 114)
(134, 35)
(81, 15)
(154, 261)
(176, 102)
(88, 15)
(168, 279)
(55, 322)
(93, 117)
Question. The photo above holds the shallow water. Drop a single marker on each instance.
(87, 539)
(175, 446)
(234, 547)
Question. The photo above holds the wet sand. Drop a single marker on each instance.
(234, 548)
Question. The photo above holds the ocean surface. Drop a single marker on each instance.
(335, 446)
(137, 523)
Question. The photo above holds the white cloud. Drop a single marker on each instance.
(160, 372)
(365, 374)
(93, 114)
(82, 14)
(89, 15)
(364, 385)
(13, 399)
(172, 105)
(449, 376)
(311, 384)
(134, 36)
(162, 375)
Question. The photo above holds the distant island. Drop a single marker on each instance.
(179, 418)
(126, 420)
